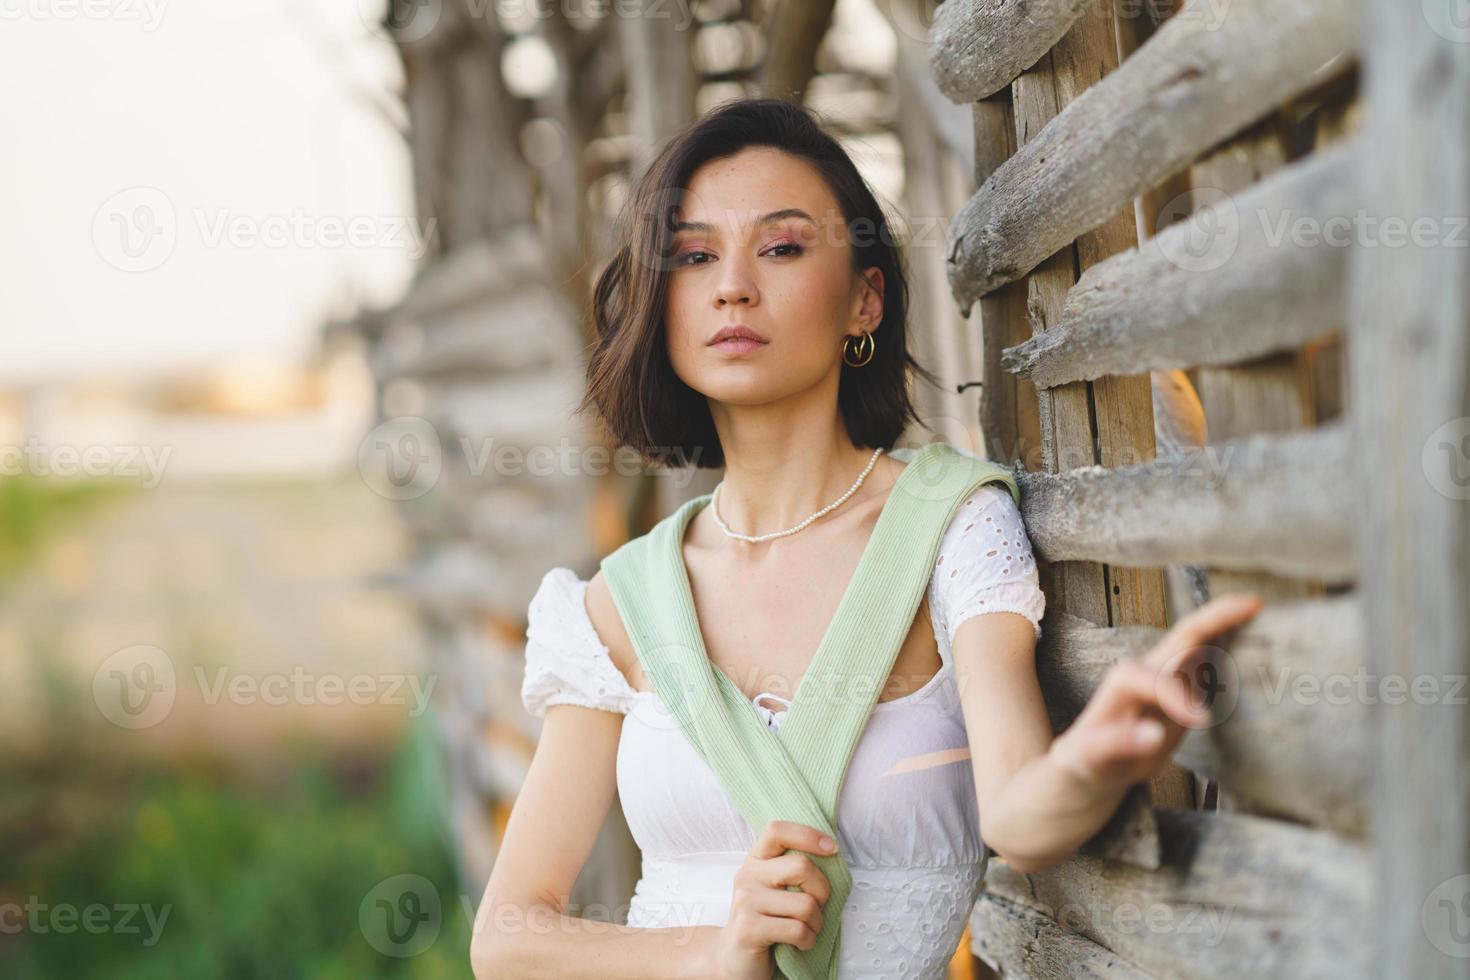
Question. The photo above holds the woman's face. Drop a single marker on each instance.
(789, 278)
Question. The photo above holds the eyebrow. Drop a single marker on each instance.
(700, 226)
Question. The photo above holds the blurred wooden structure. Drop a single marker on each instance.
(1115, 310)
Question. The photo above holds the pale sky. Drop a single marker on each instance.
(188, 180)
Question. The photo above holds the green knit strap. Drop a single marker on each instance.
(796, 772)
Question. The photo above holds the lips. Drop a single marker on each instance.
(737, 338)
(737, 332)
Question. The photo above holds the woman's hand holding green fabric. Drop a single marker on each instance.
(764, 911)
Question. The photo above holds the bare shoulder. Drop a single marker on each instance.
(892, 466)
(881, 481)
(608, 623)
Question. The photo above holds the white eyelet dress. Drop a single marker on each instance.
(907, 821)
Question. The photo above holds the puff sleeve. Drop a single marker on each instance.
(566, 662)
(985, 562)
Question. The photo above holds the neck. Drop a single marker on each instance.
(780, 469)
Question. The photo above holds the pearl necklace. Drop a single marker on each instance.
(715, 508)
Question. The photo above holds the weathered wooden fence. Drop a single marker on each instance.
(1159, 193)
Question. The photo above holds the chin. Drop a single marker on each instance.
(740, 384)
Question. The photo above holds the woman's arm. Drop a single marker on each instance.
(1040, 797)
(520, 929)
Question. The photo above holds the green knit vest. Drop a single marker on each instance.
(796, 771)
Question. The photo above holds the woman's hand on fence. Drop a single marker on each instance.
(763, 911)
(1139, 713)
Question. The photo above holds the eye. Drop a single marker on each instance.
(795, 248)
(684, 259)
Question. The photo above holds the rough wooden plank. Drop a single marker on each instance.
(523, 330)
(978, 47)
(1164, 305)
(1100, 422)
(1288, 697)
(522, 411)
(1023, 943)
(1009, 418)
(794, 30)
(473, 272)
(1274, 502)
(1188, 87)
(1409, 349)
(1238, 897)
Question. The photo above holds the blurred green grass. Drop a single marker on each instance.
(31, 507)
(262, 875)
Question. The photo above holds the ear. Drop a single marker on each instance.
(869, 312)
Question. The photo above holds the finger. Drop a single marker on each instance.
(1108, 753)
(1199, 626)
(779, 836)
(778, 903)
(777, 929)
(795, 870)
(1133, 687)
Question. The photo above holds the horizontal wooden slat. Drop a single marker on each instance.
(977, 47)
(470, 273)
(456, 580)
(1273, 502)
(1289, 704)
(1192, 84)
(1238, 897)
(521, 410)
(520, 330)
(1021, 942)
(1242, 279)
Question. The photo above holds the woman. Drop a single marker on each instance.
(753, 318)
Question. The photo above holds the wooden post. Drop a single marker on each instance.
(1409, 346)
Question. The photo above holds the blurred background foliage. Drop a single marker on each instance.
(261, 873)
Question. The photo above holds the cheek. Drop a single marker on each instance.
(680, 319)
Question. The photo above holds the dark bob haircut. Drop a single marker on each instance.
(639, 398)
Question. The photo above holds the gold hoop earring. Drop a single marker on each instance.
(863, 351)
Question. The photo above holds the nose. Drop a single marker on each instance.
(735, 285)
